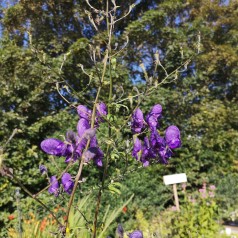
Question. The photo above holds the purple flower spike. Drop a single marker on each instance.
(137, 122)
(54, 186)
(82, 126)
(53, 147)
(172, 137)
(136, 234)
(67, 182)
(137, 149)
(84, 112)
(43, 169)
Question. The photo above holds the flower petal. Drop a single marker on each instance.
(84, 112)
(120, 231)
(137, 122)
(156, 110)
(165, 153)
(71, 137)
(136, 234)
(153, 116)
(82, 126)
(172, 137)
(94, 153)
(53, 146)
(67, 182)
(43, 169)
(54, 186)
(101, 109)
(137, 149)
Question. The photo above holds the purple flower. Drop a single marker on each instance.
(136, 234)
(137, 149)
(156, 110)
(101, 111)
(67, 182)
(54, 186)
(68, 149)
(84, 112)
(43, 169)
(152, 121)
(153, 116)
(82, 126)
(159, 146)
(94, 142)
(147, 153)
(94, 153)
(71, 142)
(156, 140)
(98, 158)
(120, 231)
(89, 133)
(172, 137)
(137, 122)
(165, 153)
(71, 137)
(152, 148)
(54, 146)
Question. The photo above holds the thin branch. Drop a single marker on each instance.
(11, 175)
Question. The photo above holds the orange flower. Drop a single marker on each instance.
(124, 209)
(43, 224)
(11, 217)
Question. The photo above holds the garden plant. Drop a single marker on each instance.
(104, 116)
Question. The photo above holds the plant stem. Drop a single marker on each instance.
(32, 196)
(81, 163)
(109, 28)
(100, 194)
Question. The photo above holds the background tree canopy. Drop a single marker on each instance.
(43, 47)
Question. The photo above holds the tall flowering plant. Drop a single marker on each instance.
(81, 146)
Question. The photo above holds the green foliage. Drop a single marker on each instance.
(226, 195)
(80, 221)
(196, 220)
(198, 217)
